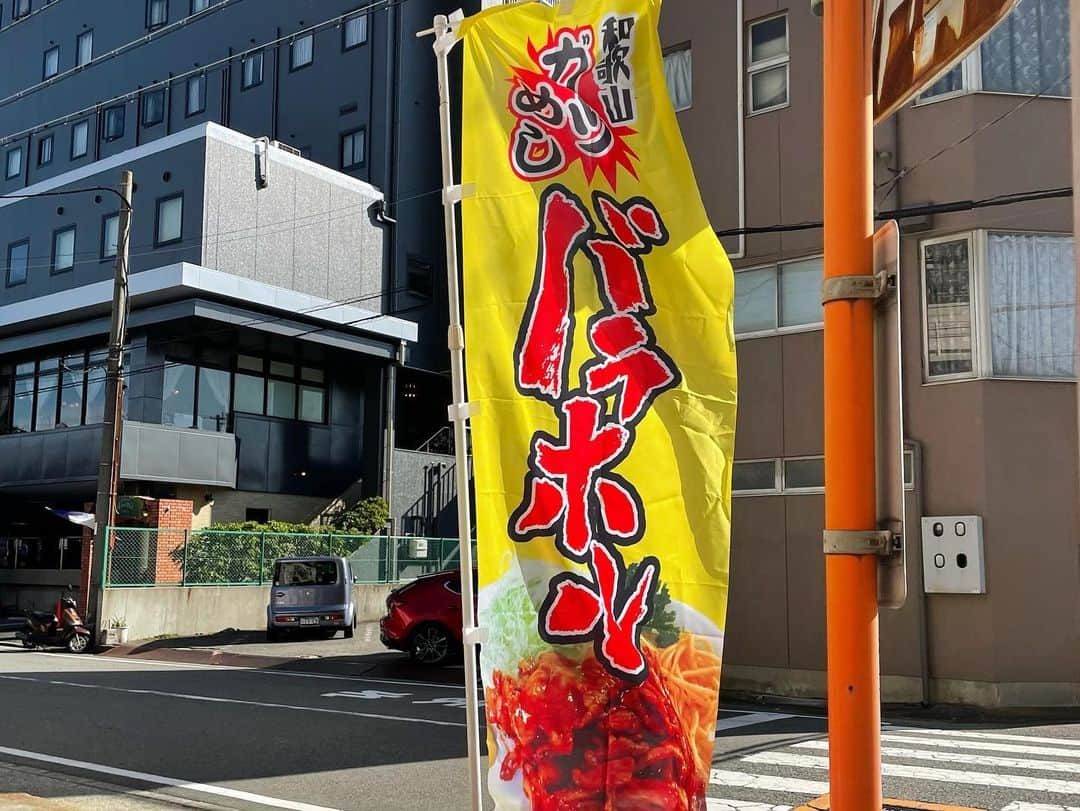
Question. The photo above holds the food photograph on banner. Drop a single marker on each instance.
(601, 374)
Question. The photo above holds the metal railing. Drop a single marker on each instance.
(138, 557)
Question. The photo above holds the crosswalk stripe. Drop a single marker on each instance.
(715, 804)
(991, 736)
(961, 757)
(748, 720)
(765, 782)
(1016, 781)
(1037, 807)
(982, 746)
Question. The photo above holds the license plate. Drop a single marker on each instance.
(309, 620)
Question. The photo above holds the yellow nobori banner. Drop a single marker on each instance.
(600, 351)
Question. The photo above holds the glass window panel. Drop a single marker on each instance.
(800, 293)
(159, 13)
(755, 300)
(302, 51)
(14, 162)
(252, 69)
(199, 5)
(768, 88)
(52, 62)
(71, 394)
(248, 393)
(312, 404)
(281, 399)
(22, 417)
(95, 388)
(71, 553)
(213, 413)
(352, 149)
(6, 392)
(1032, 283)
(153, 108)
(114, 123)
(84, 47)
(311, 374)
(951, 82)
(196, 95)
(753, 476)
(678, 71)
(80, 136)
(64, 249)
(178, 396)
(355, 31)
(768, 39)
(249, 362)
(48, 394)
(22, 8)
(947, 279)
(18, 262)
(804, 474)
(170, 219)
(1028, 52)
(110, 235)
(282, 369)
(45, 150)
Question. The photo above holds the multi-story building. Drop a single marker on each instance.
(272, 297)
(989, 359)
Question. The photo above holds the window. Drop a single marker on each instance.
(73, 380)
(170, 220)
(787, 296)
(213, 409)
(251, 69)
(755, 477)
(51, 63)
(804, 474)
(281, 399)
(178, 396)
(312, 403)
(19, 9)
(80, 138)
(947, 308)
(196, 95)
(260, 515)
(999, 304)
(354, 33)
(199, 5)
(302, 52)
(84, 47)
(153, 107)
(63, 257)
(249, 393)
(110, 235)
(157, 13)
(768, 64)
(22, 414)
(352, 149)
(48, 389)
(678, 70)
(419, 277)
(45, 150)
(14, 163)
(95, 387)
(18, 262)
(114, 122)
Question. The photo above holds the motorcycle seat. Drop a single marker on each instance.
(42, 616)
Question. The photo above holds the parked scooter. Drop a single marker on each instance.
(43, 628)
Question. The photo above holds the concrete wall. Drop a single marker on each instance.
(152, 612)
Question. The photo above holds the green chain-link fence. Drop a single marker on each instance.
(176, 557)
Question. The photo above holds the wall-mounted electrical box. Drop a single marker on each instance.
(418, 548)
(952, 551)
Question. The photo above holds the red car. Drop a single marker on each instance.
(424, 617)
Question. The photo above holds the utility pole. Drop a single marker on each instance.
(109, 465)
(850, 499)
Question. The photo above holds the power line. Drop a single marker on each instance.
(916, 211)
(375, 5)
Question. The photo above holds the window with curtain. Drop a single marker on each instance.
(678, 70)
(213, 407)
(196, 95)
(781, 296)
(153, 107)
(178, 396)
(71, 394)
(84, 47)
(95, 387)
(1028, 52)
(51, 63)
(302, 52)
(48, 385)
(80, 138)
(768, 63)
(251, 70)
(1032, 300)
(947, 308)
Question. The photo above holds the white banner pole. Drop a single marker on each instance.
(445, 38)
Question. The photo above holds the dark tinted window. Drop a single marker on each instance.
(306, 573)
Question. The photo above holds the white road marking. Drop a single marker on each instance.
(714, 804)
(961, 757)
(749, 719)
(926, 773)
(982, 746)
(157, 779)
(1037, 807)
(995, 736)
(296, 673)
(368, 694)
(219, 700)
(764, 782)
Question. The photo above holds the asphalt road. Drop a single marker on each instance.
(126, 733)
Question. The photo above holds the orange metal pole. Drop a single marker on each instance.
(851, 580)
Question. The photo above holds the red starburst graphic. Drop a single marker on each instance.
(561, 117)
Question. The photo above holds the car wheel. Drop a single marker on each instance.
(430, 644)
(351, 630)
(78, 643)
(272, 634)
